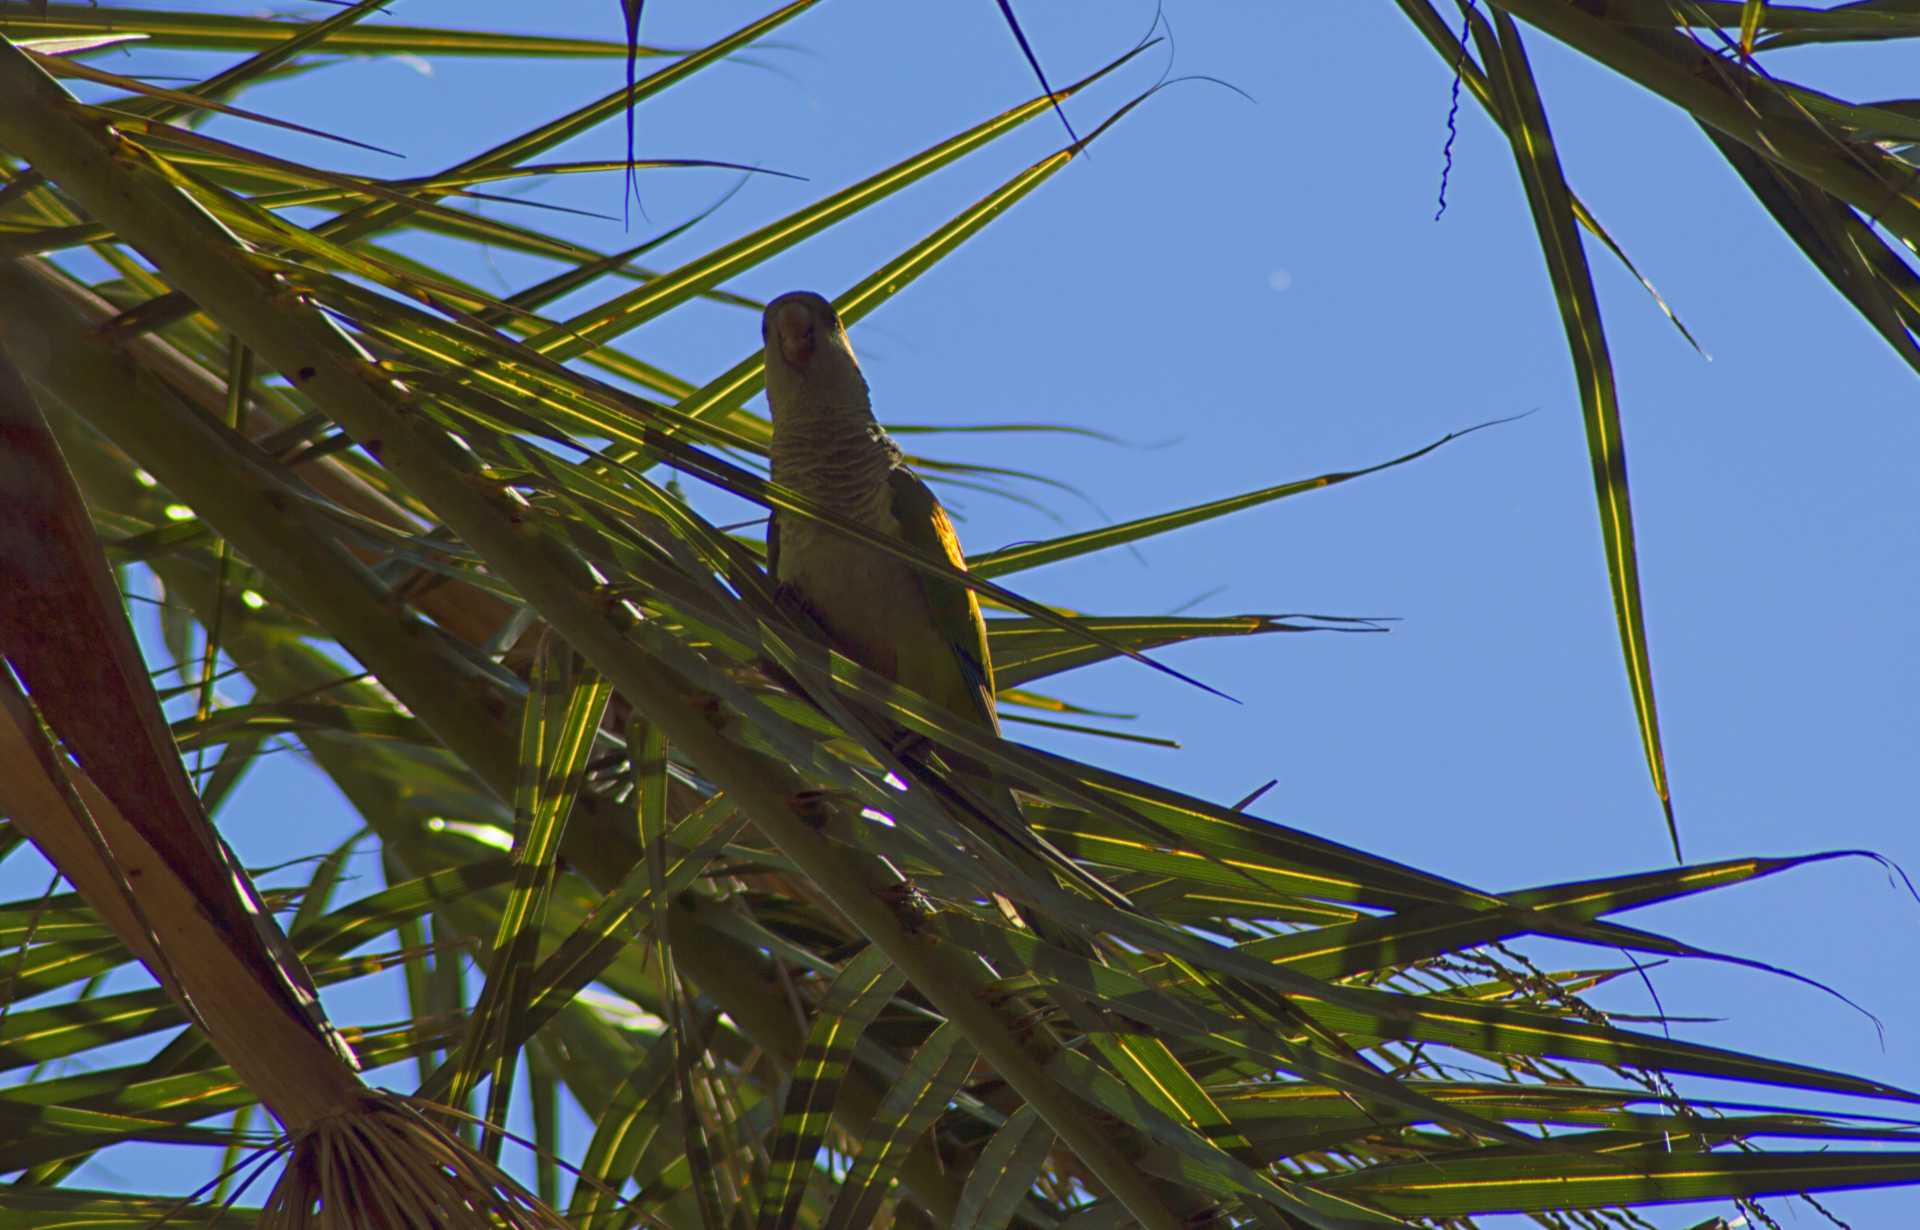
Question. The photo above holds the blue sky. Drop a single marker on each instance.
(1250, 292)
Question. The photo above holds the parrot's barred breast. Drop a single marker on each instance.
(867, 601)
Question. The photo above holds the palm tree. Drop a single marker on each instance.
(442, 536)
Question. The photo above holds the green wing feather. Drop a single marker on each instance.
(956, 617)
(955, 609)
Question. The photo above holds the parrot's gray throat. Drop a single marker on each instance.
(826, 444)
(840, 459)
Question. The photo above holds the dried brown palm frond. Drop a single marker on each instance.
(387, 1164)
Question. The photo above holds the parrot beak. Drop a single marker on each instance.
(793, 325)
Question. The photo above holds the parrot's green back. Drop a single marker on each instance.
(961, 678)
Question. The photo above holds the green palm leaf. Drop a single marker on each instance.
(446, 556)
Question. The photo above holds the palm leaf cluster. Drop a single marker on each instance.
(723, 897)
(1840, 177)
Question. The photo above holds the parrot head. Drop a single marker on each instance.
(809, 360)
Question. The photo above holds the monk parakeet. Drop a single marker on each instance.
(923, 632)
